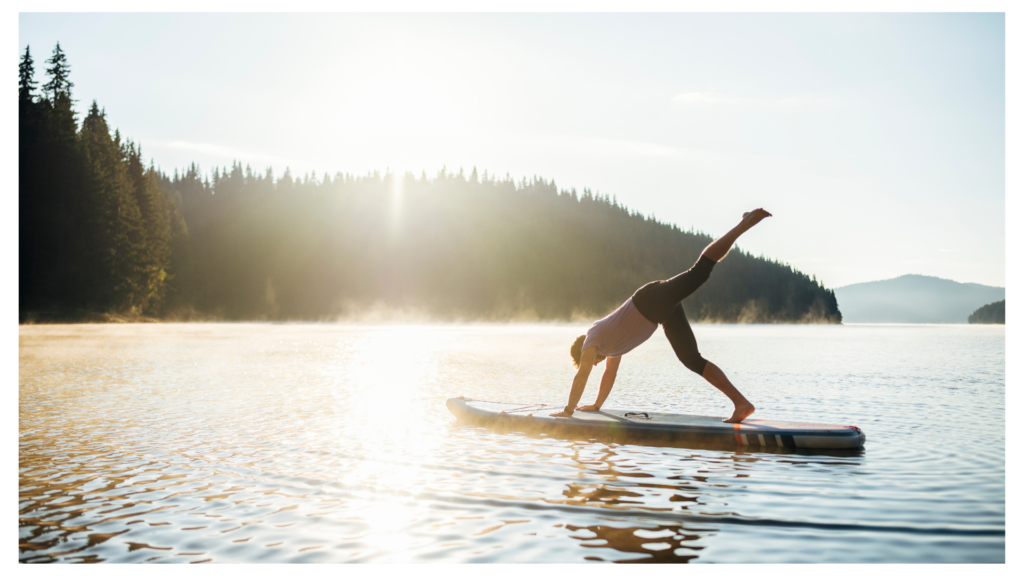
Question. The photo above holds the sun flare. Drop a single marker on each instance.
(401, 112)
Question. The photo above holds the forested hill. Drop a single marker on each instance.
(455, 246)
(994, 313)
(100, 231)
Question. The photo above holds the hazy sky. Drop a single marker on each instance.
(877, 140)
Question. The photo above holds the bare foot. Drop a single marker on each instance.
(561, 414)
(589, 408)
(754, 216)
(741, 412)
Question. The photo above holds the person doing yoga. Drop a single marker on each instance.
(658, 302)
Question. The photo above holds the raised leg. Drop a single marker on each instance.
(719, 248)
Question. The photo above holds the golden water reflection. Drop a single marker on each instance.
(664, 544)
(331, 443)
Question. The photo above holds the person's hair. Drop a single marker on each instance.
(576, 351)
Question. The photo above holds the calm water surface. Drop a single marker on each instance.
(332, 443)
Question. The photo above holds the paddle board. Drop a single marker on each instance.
(656, 425)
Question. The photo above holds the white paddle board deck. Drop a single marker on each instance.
(657, 425)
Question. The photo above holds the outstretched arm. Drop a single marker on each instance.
(611, 368)
(579, 383)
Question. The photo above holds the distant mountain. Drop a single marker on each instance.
(914, 299)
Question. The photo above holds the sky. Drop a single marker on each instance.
(877, 140)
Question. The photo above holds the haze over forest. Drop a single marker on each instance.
(102, 232)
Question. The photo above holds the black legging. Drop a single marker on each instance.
(661, 302)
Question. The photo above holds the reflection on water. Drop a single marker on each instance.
(662, 545)
(327, 443)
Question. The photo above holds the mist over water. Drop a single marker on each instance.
(318, 442)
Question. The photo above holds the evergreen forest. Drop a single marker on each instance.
(994, 313)
(100, 232)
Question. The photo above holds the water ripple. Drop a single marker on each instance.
(317, 443)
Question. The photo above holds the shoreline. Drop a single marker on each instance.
(376, 317)
(116, 318)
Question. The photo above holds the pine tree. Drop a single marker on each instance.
(28, 131)
(59, 213)
(156, 238)
(181, 278)
(121, 273)
(59, 84)
(26, 78)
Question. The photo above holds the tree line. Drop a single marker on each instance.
(101, 231)
(95, 229)
(994, 313)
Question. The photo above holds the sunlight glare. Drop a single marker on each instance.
(401, 113)
(388, 521)
(385, 390)
(385, 394)
(396, 203)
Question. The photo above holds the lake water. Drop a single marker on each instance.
(332, 443)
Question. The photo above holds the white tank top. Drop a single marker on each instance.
(619, 332)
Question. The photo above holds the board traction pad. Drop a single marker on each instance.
(751, 432)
